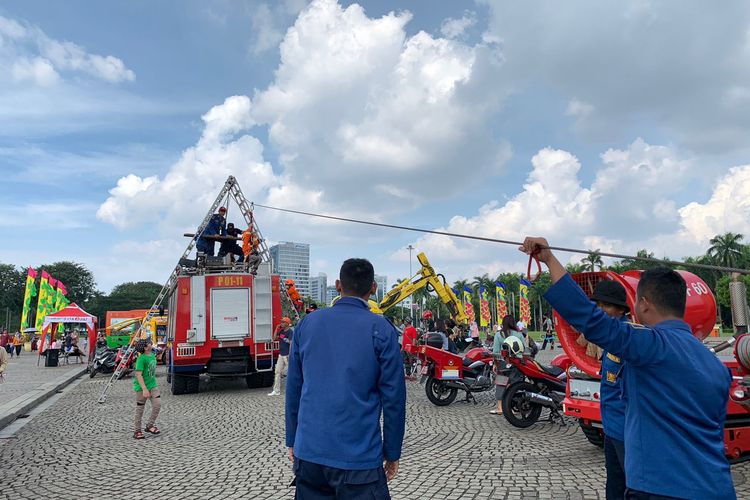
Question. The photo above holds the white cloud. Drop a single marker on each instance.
(728, 209)
(628, 206)
(193, 182)
(30, 55)
(356, 102)
(630, 63)
(357, 111)
(455, 28)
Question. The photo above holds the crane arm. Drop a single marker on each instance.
(427, 278)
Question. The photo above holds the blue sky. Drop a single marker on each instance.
(616, 126)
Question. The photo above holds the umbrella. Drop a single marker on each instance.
(30, 330)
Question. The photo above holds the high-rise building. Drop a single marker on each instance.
(318, 286)
(331, 293)
(292, 261)
(382, 282)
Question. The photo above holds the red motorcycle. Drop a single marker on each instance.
(542, 387)
(444, 373)
(122, 354)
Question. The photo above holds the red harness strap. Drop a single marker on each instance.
(532, 256)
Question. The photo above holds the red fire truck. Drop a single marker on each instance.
(221, 323)
(582, 394)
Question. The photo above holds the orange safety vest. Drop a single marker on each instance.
(249, 242)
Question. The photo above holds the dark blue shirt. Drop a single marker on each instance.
(676, 392)
(285, 341)
(612, 398)
(345, 369)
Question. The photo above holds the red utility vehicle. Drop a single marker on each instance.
(221, 323)
(582, 393)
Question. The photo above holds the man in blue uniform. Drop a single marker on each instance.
(676, 389)
(345, 369)
(611, 298)
(216, 226)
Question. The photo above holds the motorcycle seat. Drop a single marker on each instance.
(550, 370)
(466, 362)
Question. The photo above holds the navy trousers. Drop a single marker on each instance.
(614, 461)
(319, 482)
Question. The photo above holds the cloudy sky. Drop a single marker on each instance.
(612, 125)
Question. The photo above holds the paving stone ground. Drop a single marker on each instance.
(23, 374)
(227, 442)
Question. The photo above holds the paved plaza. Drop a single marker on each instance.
(227, 442)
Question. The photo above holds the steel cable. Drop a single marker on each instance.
(710, 267)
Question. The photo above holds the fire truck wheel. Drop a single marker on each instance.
(179, 384)
(595, 435)
(192, 383)
(519, 411)
(253, 381)
(438, 393)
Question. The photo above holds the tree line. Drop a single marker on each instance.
(81, 286)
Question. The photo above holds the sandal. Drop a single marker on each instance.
(138, 435)
(495, 412)
(153, 429)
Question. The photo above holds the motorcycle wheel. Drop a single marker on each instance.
(517, 411)
(593, 434)
(438, 393)
(93, 372)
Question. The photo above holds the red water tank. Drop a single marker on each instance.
(700, 311)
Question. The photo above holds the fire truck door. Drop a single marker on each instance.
(230, 313)
(197, 309)
(263, 304)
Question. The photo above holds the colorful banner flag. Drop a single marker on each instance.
(523, 302)
(500, 304)
(51, 295)
(41, 308)
(61, 302)
(27, 296)
(61, 299)
(468, 307)
(485, 316)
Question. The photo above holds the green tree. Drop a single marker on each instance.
(124, 297)
(12, 288)
(726, 249)
(575, 267)
(78, 280)
(592, 261)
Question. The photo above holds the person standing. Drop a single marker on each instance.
(216, 226)
(231, 247)
(146, 388)
(611, 298)
(18, 343)
(250, 248)
(6, 342)
(345, 370)
(508, 329)
(674, 432)
(548, 334)
(3, 363)
(409, 340)
(283, 334)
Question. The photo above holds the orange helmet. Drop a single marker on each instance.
(286, 320)
(289, 282)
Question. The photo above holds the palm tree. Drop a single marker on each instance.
(575, 267)
(592, 261)
(726, 249)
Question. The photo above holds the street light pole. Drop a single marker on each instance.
(410, 248)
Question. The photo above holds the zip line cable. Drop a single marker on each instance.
(710, 267)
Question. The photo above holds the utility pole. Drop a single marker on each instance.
(410, 248)
(411, 298)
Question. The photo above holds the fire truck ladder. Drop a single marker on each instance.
(247, 212)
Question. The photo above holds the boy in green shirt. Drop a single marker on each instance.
(145, 388)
